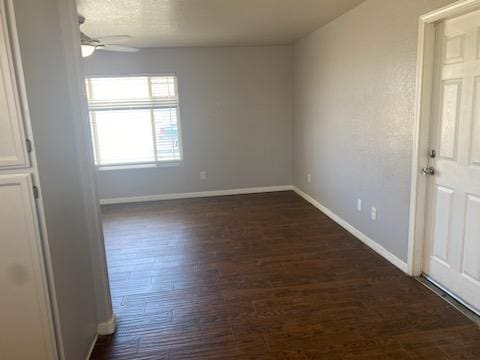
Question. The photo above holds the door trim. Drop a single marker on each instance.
(423, 105)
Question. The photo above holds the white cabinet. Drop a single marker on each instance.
(26, 317)
(25, 330)
(13, 152)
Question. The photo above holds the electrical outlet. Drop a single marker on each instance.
(359, 204)
(309, 178)
(374, 214)
(203, 175)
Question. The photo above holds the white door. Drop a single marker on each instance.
(12, 138)
(25, 323)
(452, 254)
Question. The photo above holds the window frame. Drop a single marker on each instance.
(144, 164)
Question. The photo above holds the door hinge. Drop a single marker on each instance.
(36, 194)
(29, 145)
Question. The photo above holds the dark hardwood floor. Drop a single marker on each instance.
(264, 276)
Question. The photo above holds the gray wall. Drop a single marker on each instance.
(61, 173)
(236, 118)
(354, 92)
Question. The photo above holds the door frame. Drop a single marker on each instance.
(421, 137)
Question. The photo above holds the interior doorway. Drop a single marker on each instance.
(448, 190)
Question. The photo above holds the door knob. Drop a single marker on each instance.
(428, 171)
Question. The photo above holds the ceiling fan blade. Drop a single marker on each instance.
(113, 39)
(119, 48)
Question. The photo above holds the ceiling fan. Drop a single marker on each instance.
(106, 43)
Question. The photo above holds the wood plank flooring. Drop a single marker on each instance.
(264, 276)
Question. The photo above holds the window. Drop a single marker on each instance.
(134, 120)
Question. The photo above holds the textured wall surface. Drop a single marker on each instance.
(354, 93)
(235, 112)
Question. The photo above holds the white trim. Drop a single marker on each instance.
(159, 164)
(424, 95)
(135, 199)
(134, 74)
(458, 8)
(357, 233)
(92, 346)
(107, 327)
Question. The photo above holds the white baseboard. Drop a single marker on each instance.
(92, 346)
(135, 199)
(399, 263)
(107, 327)
(358, 234)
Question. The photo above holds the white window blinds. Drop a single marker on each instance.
(134, 120)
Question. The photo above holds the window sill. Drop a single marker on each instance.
(139, 166)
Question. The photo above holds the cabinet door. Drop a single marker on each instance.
(13, 152)
(25, 317)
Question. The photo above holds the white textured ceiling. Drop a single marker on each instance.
(162, 23)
